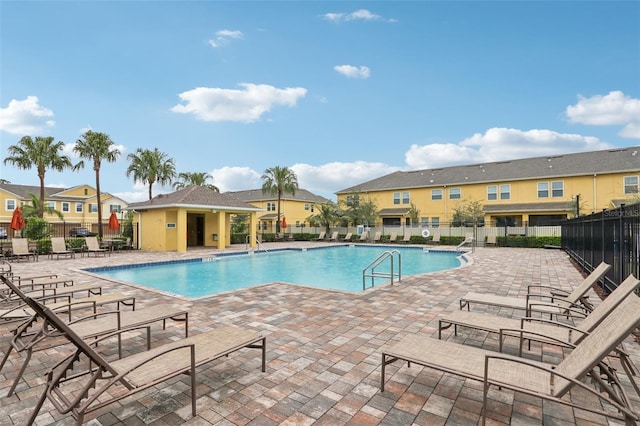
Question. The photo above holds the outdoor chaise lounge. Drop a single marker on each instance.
(29, 336)
(59, 248)
(363, 237)
(393, 237)
(94, 247)
(73, 388)
(537, 379)
(491, 240)
(320, 237)
(8, 295)
(20, 249)
(406, 239)
(348, 237)
(377, 237)
(538, 329)
(554, 302)
(333, 237)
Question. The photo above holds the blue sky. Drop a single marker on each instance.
(341, 92)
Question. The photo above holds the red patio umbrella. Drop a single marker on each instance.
(17, 221)
(283, 224)
(113, 221)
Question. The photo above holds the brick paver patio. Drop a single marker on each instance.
(323, 351)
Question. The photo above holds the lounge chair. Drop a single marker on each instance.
(406, 239)
(59, 248)
(393, 237)
(537, 379)
(104, 382)
(20, 249)
(320, 237)
(537, 329)
(27, 337)
(94, 247)
(363, 237)
(348, 237)
(555, 302)
(9, 295)
(333, 237)
(491, 240)
(436, 238)
(377, 237)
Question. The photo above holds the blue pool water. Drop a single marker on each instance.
(338, 268)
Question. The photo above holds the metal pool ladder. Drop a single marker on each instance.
(378, 260)
(246, 243)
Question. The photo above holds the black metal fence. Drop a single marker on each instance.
(612, 236)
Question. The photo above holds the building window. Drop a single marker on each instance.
(115, 208)
(405, 197)
(313, 206)
(557, 189)
(66, 208)
(492, 192)
(505, 192)
(543, 189)
(306, 206)
(435, 222)
(79, 207)
(10, 205)
(436, 194)
(93, 208)
(631, 184)
(454, 194)
(396, 198)
(271, 207)
(51, 204)
(424, 222)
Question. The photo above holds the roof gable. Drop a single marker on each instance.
(195, 196)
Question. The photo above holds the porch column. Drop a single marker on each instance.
(181, 227)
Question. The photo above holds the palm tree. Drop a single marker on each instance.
(96, 146)
(277, 181)
(33, 209)
(327, 214)
(42, 153)
(197, 178)
(150, 167)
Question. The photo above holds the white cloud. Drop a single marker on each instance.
(613, 109)
(498, 144)
(236, 178)
(247, 105)
(358, 15)
(24, 117)
(353, 71)
(223, 36)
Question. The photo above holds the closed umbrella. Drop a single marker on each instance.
(284, 222)
(113, 221)
(17, 221)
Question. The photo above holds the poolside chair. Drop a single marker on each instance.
(537, 379)
(377, 237)
(491, 240)
(435, 239)
(333, 237)
(363, 237)
(28, 337)
(20, 249)
(348, 237)
(406, 239)
(393, 237)
(73, 387)
(59, 248)
(94, 247)
(9, 295)
(555, 302)
(537, 329)
(320, 237)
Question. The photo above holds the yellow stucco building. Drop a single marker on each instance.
(529, 191)
(193, 216)
(294, 208)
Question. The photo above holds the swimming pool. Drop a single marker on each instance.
(337, 267)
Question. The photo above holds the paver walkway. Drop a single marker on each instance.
(323, 351)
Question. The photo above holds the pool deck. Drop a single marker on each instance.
(323, 350)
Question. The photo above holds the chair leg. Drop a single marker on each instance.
(20, 373)
(38, 406)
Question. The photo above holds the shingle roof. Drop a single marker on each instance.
(254, 195)
(23, 191)
(195, 196)
(580, 164)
